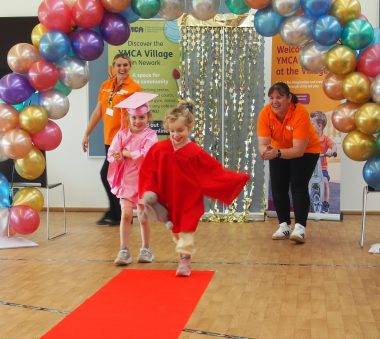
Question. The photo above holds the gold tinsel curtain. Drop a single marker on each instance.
(222, 72)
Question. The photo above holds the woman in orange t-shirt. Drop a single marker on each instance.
(111, 92)
(289, 141)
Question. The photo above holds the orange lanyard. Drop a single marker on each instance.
(115, 88)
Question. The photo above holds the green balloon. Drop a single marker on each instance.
(357, 34)
(61, 87)
(237, 6)
(146, 9)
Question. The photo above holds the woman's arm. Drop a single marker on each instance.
(96, 116)
(264, 145)
(298, 150)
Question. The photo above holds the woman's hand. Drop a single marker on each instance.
(270, 153)
(85, 143)
(117, 156)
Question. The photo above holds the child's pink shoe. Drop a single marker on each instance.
(184, 269)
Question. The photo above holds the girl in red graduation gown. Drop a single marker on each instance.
(181, 174)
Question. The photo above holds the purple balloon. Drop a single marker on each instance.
(115, 29)
(15, 88)
(87, 44)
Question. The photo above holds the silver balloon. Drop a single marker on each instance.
(3, 157)
(56, 103)
(375, 89)
(203, 9)
(4, 214)
(296, 30)
(73, 72)
(171, 9)
(312, 56)
(286, 7)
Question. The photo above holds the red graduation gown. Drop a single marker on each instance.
(182, 178)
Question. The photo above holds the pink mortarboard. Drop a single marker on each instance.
(137, 103)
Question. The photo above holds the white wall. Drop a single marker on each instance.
(81, 174)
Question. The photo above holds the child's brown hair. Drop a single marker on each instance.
(184, 109)
(319, 117)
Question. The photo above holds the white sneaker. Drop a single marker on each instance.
(146, 255)
(123, 258)
(298, 234)
(282, 232)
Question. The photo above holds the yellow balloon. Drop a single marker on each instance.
(33, 118)
(367, 118)
(359, 146)
(345, 10)
(357, 87)
(38, 31)
(29, 196)
(341, 60)
(32, 166)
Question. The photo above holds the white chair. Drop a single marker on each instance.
(366, 191)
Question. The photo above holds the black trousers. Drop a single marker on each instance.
(296, 174)
(114, 211)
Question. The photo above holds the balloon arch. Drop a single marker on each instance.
(330, 34)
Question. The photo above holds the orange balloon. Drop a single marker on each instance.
(258, 4)
(16, 143)
(38, 31)
(21, 56)
(341, 60)
(32, 165)
(357, 87)
(367, 118)
(359, 146)
(343, 117)
(8, 118)
(333, 86)
(115, 6)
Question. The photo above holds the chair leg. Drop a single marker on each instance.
(364, 212)
(64, 217)
(47, 213)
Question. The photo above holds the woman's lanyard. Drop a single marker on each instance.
(115, 89)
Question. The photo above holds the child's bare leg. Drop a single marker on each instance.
(125, 223)
(146, 253)
(185, 248)
(124, 256)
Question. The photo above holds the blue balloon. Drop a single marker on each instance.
(5, 190)
(316, 8)
(130, 15)
(54, 46)
(371, 172)
(172, 31)
(327, 30)
(267, 22)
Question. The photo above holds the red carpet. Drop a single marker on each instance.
(136, 304)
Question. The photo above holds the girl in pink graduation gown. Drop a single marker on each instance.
(125, 155)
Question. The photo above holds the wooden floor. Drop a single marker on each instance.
(326, 288)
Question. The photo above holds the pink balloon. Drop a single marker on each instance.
(369, 61)
(55, 15)
(43, 75)
(49, 138)
(23, 219)
(88, 13)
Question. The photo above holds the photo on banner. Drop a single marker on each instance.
(155, 53)
(324, 186)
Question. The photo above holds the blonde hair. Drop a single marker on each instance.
(184, 109)
(123, 56)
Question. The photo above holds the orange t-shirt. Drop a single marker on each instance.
(296, 125)
(110, 95)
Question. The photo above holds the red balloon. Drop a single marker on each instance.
(49, 138)
(369, 61)
(43, 75)
(55, 15)
(88, 13)
(23, 219)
